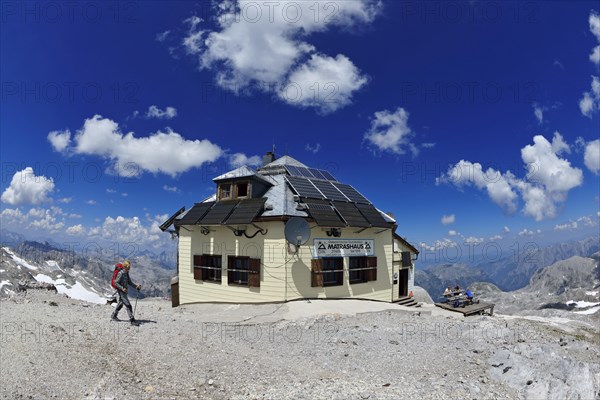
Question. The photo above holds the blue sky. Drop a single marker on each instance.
(486, 113)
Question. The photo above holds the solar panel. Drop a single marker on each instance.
(293, 171)
(351, 214)
(305, 172)
(372, 215)
(304, 188)
(218, 213)
(351, 193)
(323, 214)
(327, 175)
(246, 211)
(317, 173)
(165, 225)
(330, 191)
(194, 214)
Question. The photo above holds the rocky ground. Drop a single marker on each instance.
(56, 347)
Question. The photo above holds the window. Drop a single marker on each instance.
(207, 268)
(225, 191)
(362, 269)
(243, 271)
(406, 259)
(332, 271)
(230, 191)
(242, 189)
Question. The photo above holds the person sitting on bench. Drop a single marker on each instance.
(448, 292)
(469, 295)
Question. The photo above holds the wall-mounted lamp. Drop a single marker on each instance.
(239, 232)
(204, 230)
(335, 232)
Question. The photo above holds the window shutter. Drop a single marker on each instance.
(406, 259)
(254, 272)
(316, 273)
(230, 265)
(199, 261)
(372, 272)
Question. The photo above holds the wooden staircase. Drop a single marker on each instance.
(407, 301)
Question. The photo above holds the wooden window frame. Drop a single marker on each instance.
(251, 270)
(406, 258)
(231, 188)
(337, 272)
(234, 190)
(205, 269)
(248, 190)
(367, 269)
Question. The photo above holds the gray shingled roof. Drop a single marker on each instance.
(279, 197)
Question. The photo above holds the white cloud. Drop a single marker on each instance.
(390, 132)
(259, 47)
(60, 140)
(132, 230)
(27, 188)
(75, 230)
(466, 173)
(65, 200)
(162, 36)
(538, 111)
(313, 149)
(591, 157)
(108, 190)
(473, 240)
(91, 202)
(162, 152)
(452, 233)
(549, 180)
(546, 168)
(439, 245)
(506, 229)
(448, 219)
(527, 232)
(12, 216)
(240, 159)
(495, 237)
(173, 189)
(46, 219)
(586, 221)
(567, 226)
(594, 21)
(324, 83)
(155, 112)
(590, 102)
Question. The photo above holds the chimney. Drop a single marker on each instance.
(268, 158)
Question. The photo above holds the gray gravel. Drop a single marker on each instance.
(56, 347)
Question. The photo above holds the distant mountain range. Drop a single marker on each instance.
(509, 273)
(571, 285)
(30, 261)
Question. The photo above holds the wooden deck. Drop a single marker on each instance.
(473, 309)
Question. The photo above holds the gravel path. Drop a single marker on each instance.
(56, 347)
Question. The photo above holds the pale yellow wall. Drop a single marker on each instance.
(399, 247)
(283, 276)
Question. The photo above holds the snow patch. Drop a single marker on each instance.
(5, 283)
(594, 293)
(589, 311)
(582, 304)
(19, 260)
(53, 265)
(77, 291)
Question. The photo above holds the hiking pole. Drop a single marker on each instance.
(136, 299)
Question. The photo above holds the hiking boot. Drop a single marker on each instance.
(134, 322)
(114, 318)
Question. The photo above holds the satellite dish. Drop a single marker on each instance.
(297, 231)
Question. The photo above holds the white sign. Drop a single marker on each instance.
(343, 247)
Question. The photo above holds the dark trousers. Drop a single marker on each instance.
(123, 301)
